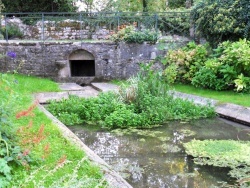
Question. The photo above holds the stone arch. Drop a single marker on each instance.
(82, 63)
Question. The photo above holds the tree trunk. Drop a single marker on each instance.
(189, 3)
(144, 5)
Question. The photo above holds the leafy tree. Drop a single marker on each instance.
(1, 6)
(220, 20)
(139, 5)
(39, 6)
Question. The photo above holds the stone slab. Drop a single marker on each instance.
(46, 97)
(234, 112)
(86, 92)
(70, 87)
(230, 111)
(105, 87)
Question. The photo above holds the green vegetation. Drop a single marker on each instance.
(33, 152)
(12, 30)
(38, 6)
(129, 34)
(223, 153)
(223, 68)
(136, 105)
(221, 20)
(222, 96)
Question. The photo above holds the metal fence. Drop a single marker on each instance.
(83, 26)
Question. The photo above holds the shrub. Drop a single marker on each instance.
(12, 30)
(175, 22)
(188, 60)
(221, 20)
(131, 35)
(228, 68)
(176, 3)
(207, 78)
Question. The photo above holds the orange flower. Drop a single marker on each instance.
(26, 112)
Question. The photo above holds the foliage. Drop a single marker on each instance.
(73, 179)
(42, 146)
(10, 153)
(228, 69)
(13, 32)
(175, 22)
(131, 35)
(141, 5)
(172, 4)
(187, 59)
(223, 68)
(170, 73)
(39, 6)
(135, 105)
(207, 78)
(222, 153)
(221, 20)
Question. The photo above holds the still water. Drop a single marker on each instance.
(155, 158)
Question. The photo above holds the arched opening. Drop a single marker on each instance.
(82, 64)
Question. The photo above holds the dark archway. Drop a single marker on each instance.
(82, 64)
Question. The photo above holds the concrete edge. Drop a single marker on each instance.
(112, 177)
(233, 112)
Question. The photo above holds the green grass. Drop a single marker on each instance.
(242, 99)
(30, 84)
(41, 171)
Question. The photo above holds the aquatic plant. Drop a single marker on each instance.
(144, 103)
(223, 153)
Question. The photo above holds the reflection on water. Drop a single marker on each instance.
(155, 158)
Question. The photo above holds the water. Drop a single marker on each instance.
(155, 158)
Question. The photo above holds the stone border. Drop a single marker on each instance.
(112, 177)
(233, 112)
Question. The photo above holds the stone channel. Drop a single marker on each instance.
(230, 111)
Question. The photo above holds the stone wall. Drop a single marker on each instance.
(52, 59)
(61, 30)
(112, 60)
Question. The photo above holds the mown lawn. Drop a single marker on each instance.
(242, 99)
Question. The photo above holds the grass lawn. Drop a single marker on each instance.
(242, 99)
(54, 161)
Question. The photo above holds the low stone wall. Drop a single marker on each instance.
(112, 60)
(59, 30)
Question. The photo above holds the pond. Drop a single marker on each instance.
(155, 157)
